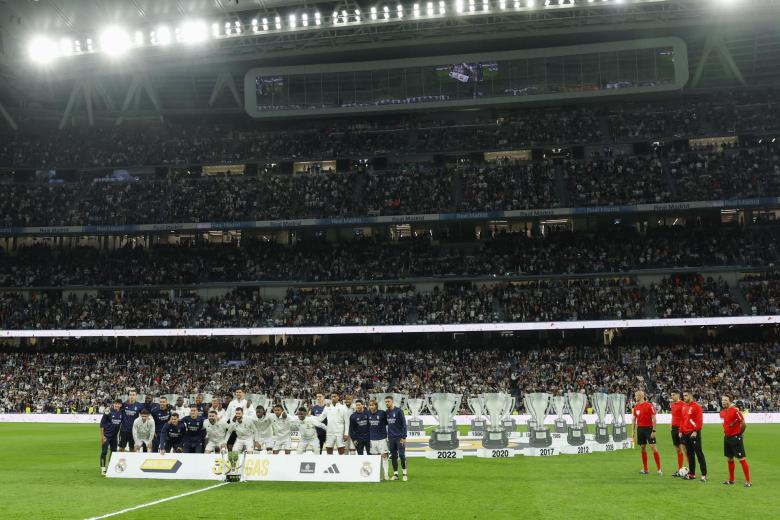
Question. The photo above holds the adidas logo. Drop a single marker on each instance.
(332, 469)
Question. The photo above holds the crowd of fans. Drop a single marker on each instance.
(80, 376)
(506, 254)
(694, 296)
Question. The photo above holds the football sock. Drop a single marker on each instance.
(679, 460)
(657, 457)
(644, 460)
(745, 470)
(731, 470)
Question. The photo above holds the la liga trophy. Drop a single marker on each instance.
(558, 403)
(496, 436)
(476, 404)
(444, 406)
(576, 432)
(600, 404)
(537, 406)
(617, 405)
(414, 425)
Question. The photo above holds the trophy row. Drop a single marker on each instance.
(496, 407)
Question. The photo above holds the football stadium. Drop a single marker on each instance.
(343, 259)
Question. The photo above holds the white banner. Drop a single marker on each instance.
(255, 466)
(428, 420)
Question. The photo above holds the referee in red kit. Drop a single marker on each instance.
(733, 443)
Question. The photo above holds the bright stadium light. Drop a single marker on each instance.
(429, 8)
(459, 6)
(43, 50)
(215, 30)
(517, 4)
(335, 17)
(502, 5)
(163, 35)
(265, 24)
(238, 27)
(305, 19)
(66, 47)
(77, 46)
(278, 22)
(292, 21)
(442, 7)
(139, 38)
(227, 28)
(194, 31)
(373, 13)
(416, 10)
(400, 11)
(531, 3)
(472, 6)
(485, 5)
(114, 41)
(90, 48)
(317, 18)
(357, 15)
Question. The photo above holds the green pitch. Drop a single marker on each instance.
(51, 471)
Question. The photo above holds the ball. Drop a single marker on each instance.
(683, 472)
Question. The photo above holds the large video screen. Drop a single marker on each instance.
(469, 72)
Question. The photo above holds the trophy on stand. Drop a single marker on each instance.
(496, 435)
(291, 406)
(414, 426)
(476, 404)
(558, 403)
(539, 435)
(444, 407)
(600, 404)
(261, 400)
(617, 405)
(576, 404)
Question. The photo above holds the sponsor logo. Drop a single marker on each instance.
(366, 469)
(332, 469)
(160, 466)
(121, 466)
(308, 467)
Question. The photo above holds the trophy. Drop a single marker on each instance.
(496, 435)
(477, 405)
(530, 422)
(558, 403)
(576, 404)
(510, 424)
(600, 404)
(444, 407)
(291, 406)
(259, 400)
(539, 435)
(415, 424)
(617, 405)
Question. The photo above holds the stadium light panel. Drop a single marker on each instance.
(278, 22)
(305, 19)
(317, 18)
(90, 48)
(485, 5)
(292, 21)
(429, 8)
(162, 35)
(238, 27)
(193, 31)
(373, 13)
(335, 17)
(472, 6)
(215, 30)
(442, 7)
(227, 28)
(265, 24)
(114, 41)
(517, 4)
(43, 50)
(139, 39)
(77, 46)
(66, 47)
(531, 3)
(502, 5)
(400, 11)
(255, 26)
(357, 15)
(416, 10)
(459, 6)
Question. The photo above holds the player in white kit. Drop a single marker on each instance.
(282, 428)
(337, 432)
(215, 431)
(244, 430)
(264, 430)
(307, 427)
(143, 432)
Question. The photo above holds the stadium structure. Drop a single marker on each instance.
(515, 219)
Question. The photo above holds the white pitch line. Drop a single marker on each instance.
(157, 501)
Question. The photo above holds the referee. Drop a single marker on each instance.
(733, 443)
(690, 435)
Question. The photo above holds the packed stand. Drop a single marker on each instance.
(694, 296)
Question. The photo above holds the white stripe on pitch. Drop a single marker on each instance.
(157, 502)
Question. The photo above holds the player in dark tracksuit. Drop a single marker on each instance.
(359, 428)
(316, 410)
(396, 436)
(172, 435)
(131, 410)
(194, 432)
(161, 415)
(109, 432)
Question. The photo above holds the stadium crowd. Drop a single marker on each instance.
(78, 376)
(313, 260)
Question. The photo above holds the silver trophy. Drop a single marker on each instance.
(558, 403)
(415, 424)
(259, 400)
(576, 404)
(291, 406)
(476, 404)
(510, 424)
(530, 422)
(539, 436)
(617, 405)
(600, 403)
(444, 407)
(496, 436)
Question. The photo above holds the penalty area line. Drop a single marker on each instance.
(160, 501)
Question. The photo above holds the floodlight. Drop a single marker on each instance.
(459, 6)
(373, 13)
(114, 41)
(163, 35)
(43, 50)
(305, 19)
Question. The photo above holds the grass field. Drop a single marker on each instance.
(51, 471)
